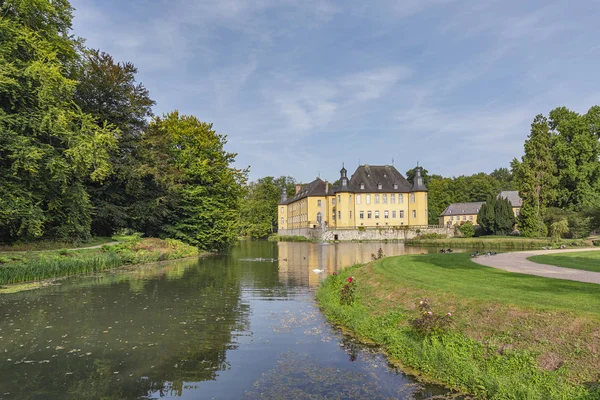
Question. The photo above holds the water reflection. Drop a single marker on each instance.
(298, 261)
(238, 325)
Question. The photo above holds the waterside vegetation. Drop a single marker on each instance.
(25, 267)
(510, 336)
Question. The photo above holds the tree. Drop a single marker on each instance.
(504, 218)
(504, 179)
(486, 218)
(258, 214)
(48, 146)
(576, 149)
(535, 178)
(410, 176)
(200, 192)
(108, 90)
(559, 228)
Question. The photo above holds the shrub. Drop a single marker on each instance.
(467, 229)
(429, 323)
(347, 292)
(431, 235)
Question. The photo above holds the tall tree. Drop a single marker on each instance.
(576, 149)
(486, 218)
(108, 90)
(48, 145)
(535, 178)
(199, 189)
(504, 218)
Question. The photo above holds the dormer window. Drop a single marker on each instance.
(362, 185)
(395, 186)
(379, 186)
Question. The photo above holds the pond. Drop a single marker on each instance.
(242, 325)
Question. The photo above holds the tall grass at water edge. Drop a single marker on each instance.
(65, 263)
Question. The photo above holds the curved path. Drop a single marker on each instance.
(518, 262)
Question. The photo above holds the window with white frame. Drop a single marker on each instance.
(376, 213)
(362, 186)
(379, 186)
(318, 203)
(361, 215)
(339, 198)
(282, 221)
(368, 214)
(400, 198)
(386, 214)
(393, 198)
(470, 218)
(412, 197)
(339, 214)
(358, 199)
(401, 213)
(376, 199)
(384, 198)
(368, 198)
(395, 186)
(414, 213)
(394, 214)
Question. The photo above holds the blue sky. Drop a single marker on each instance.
(300, 86)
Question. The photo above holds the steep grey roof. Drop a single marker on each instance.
(462, 208)
(512, 196)
(419, 184)
(373, 175)
(315, 188)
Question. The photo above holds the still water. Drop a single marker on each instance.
(242, 325)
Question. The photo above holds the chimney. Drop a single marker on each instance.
(326, 187)
(298, 187)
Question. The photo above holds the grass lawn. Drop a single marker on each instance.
(514, 335)
(488, 242)
(585, 260)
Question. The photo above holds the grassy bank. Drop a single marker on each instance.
(491, 242)
(16, 268)
(514, 336)
(277, 238)
(585, 260)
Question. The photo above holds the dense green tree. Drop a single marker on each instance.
(48, 146)
(576, 149)
(108, 90)
(199, 189)
(258, 214)
(467, 229)
(535, 178)
(504, 218)
(504, 179)
(486, 218)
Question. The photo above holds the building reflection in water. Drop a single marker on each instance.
(297, 260)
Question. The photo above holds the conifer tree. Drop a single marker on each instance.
(535, 178)
(504, 217)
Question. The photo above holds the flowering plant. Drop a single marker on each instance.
(429, 323)
(347, 292)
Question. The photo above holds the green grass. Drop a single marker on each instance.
(585, 260)
(514, 337)
(17, 268)
(505, 242)
(277, 238)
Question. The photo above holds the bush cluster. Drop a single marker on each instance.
(428, 322)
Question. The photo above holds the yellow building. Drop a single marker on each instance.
(375, 196)
(459, 213)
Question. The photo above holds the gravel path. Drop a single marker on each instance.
(517, 262)
(98, 246)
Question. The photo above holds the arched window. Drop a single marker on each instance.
(319, 218)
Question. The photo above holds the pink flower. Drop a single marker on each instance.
(449, 314)
(350, 279)
(334, 273)
(429, 313)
